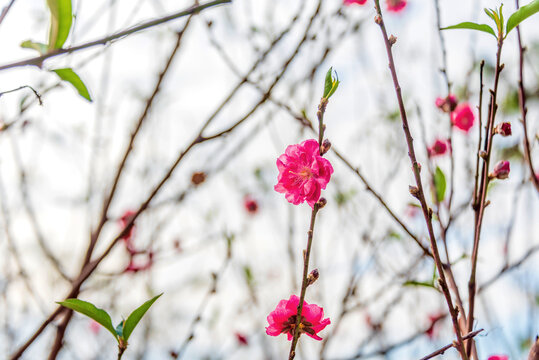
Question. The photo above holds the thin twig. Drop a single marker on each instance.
(442, 350)
(38, 60)
(418, 189)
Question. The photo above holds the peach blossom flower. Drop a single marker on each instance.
(498, 357)
(447, 104)
(395, 5)
(250, 204)
(463, 117)
(350, 2)
(282, 320)
(303, 173)
(438, 148)
(504, 129)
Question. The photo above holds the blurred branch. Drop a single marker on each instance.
(24, 87)
(38, 61)
(5, 10)
(442, 350)
(523, 109)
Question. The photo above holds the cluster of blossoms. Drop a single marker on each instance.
(282, 320)
(303, 174)
(392, 5)
(127, 239)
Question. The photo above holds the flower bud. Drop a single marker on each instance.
(447, 104)
(322, 202)
(198, 178)
(312, 277)
(326, 145)
(501, 170)
(378, 19)
(392, 40)
(504, 129)
(414, 191)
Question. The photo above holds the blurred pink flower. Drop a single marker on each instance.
(498, 357)
(242, 339)
(94, 327)
(395, 5)
(350, 2)
(282, 320)
(504, 129)
(501, 170)
(447, 104)
(432, 331)
(134, 267)
(438, 148)
(127, 238)
(251, 205)
(463, 117)
(303, 173)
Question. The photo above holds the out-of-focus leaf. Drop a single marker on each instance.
(472, 26)
(135, 317)
(248, 275)
(521, 14)
(71, 77)
(511, 152)
(89, 309)
(420, 283)
(41, 48)
(439, 184)
(61, 20)
(342, 197)
(510, 104)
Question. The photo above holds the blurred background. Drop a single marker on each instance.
(243, 82)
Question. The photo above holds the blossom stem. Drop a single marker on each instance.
(427, 212)
(480, 204)
(304, 283)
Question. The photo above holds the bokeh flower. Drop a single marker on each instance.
(350, 2)
(439, 147)
(250, 204)
(463, 117)
(498, 357)
(395, 5)
(282, 320)
(303, 173)
(447, 104)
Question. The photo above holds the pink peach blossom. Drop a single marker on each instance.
(282, 320)
(498, 357)
(350, 2)
(128, 238)
(303, 173)
(395, 5)
(250, 204)
(438, 148)
(463, 117)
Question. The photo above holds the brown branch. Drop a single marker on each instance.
(523, 109)
(479, 208)
(442, 350)
(38, 61)
(418, 189)
(5, 10)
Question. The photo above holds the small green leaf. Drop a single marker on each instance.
(61, 20)
(135, 317)
(490, 14)
(71, 77)
(472, 26)
(91, 311)
(521, 14)
(41, 48)
(248, 275)
(439, 184)
(419, 283)
(331, 84)
(120, 328)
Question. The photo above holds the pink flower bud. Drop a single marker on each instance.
(447, 104)
(501, 170)
(463, 117)
(498, 357)
(438, 148)
(504, 129)
(250, 204)
(242, 339)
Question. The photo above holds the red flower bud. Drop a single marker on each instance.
(504, 129)
(501, 170)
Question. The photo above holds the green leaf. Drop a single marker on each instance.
(331, 84)
(439, 184)
(71, 77)
(135, 317)
(120, 328)
(419, 283)
(521, 14)
(91, 311)
(61, 20)
(472, 26)
(40, 47)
